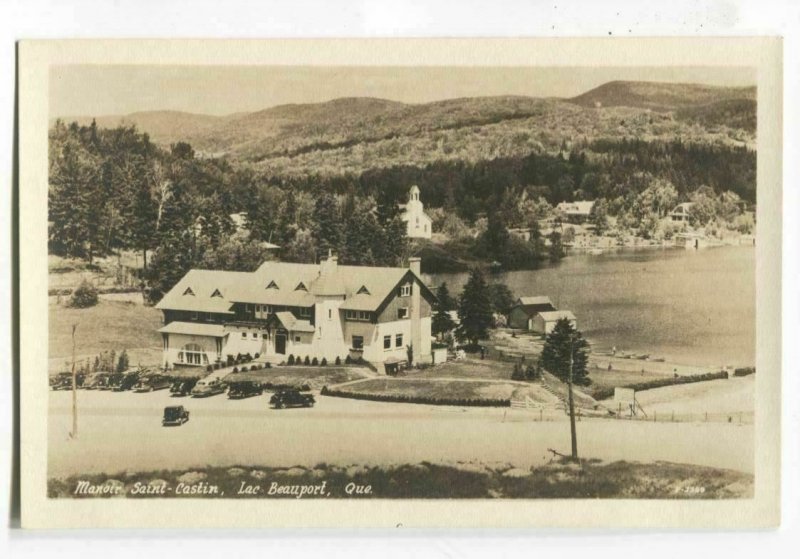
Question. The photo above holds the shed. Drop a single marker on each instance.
(526, 308)
(544, 322)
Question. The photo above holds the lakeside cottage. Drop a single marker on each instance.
(418, 224)
(544, 322)
(281, 309)
(523, 311)
(576, 212)
(681, 213)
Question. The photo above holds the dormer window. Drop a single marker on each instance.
(216, 293)
(272, 285)
(363, 290)
(301, 287)
(188, 291)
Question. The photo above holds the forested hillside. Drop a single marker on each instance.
(330, 175)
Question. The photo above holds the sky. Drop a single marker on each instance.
(95, 90)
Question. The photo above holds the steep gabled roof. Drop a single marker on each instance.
(202, 284)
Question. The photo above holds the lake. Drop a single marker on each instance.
(694, 307)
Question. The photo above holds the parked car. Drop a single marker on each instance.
(126, 381)
(149, 384)
(291, 399)
(175, 415)
(244, 389)
(96, 381)
(63, 381)
(205, 387)
(182, 387)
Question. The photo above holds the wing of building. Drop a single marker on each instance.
(281, 309)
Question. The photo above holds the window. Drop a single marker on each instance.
(387, 342)
(363, 290)
(398, 340)
(244, 334)
(195, 315)
(297, 338)
(255, 335)
(216, 293)
(305, 311)
(188, 291)
(248, 308)
(272, 285)
(405, 290)
(192, 354)
(300, 287)
(358, 342)
(364, 316)
(402, 312)
(330, 314)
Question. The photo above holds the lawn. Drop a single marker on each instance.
(315, 377)
(432, 388)
(110, 325)
(469, 368)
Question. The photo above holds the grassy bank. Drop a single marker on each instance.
(468, 480)
(314, 377)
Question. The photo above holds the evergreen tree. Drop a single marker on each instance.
(556, 353)
(123, 363)
(442, 322)
(599, 217)
(327, 226)
(390, 247)
(475, 308)
(501, 297)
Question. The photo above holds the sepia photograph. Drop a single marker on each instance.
(420, 282)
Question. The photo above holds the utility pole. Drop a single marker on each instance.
(74, 433)
(571, 402)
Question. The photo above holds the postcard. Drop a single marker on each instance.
(464, 283)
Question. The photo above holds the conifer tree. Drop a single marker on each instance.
(475, 308)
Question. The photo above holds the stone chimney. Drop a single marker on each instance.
(415, 265)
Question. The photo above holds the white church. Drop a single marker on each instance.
(418, 224)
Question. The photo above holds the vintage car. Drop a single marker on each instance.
(291, 399)
(182, 387)
(149, 384)
(96, 381)
(244, 389)
(175, 415)
(126, 381)
(206, 387)
(63, 381)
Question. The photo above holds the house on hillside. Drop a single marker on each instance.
(283, 309)
(525, 309)
(418, 224)
(544, 322)
(681, 212)
(576, 212)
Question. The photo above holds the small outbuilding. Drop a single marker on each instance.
(525, 309)
(544, 322)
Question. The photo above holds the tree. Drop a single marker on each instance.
(475, 308)
(442, 322)
(501, 297)
(556, 353)
(556, 249)
(327, 227)
(123, 363)
(599, 217)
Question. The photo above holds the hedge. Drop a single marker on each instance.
(605, 393)
(744, 371)
(402, 399)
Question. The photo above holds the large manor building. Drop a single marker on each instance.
(324, 311)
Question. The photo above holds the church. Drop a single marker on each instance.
(418, 224)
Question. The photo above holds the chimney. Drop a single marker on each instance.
(328, 266)
(415, 265)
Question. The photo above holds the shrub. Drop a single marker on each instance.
(84, 296)
(307, 361)
(291, 359)
(606, 393)
(338, 360)
(405, 399)
(314, 361)
(209, 368)
(744, 371)
(324, 362)
(235, 369)
(257, 355)
(348, 360)
(267, 365)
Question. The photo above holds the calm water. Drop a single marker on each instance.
(688, 306)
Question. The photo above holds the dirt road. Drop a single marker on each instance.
(122, 431)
